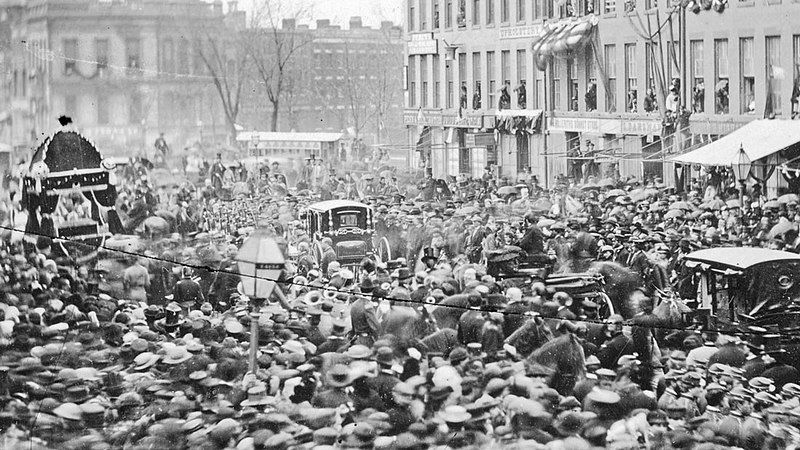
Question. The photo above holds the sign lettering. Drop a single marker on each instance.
(520, 32)
(423, 44)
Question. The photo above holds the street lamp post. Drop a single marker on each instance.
(260, 263)
(741, 170)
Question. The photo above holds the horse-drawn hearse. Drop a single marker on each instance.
(746, 286)
(349, 225)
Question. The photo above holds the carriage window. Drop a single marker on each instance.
(348, 220)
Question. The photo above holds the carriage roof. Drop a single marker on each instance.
(336, 204)
(741, 258)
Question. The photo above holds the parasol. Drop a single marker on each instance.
(657, 206)
(772, 204)
(466, 211)
(681, 205)
(781, 228)
(590, 187)
(788, 198)
(507, 190)
(651, 192)
(674, 214)
(542, 204)
(616, 193)
(606, 182)
(714, 205)
(733, 203)
(544, 223)
(638, 195)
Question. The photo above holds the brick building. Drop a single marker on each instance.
(123, 70)
(461, 53)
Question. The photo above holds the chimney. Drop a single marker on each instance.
(323, 23)
(289, 24)
(355, 22)
(233, 6)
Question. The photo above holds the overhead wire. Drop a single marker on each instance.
(376, 297)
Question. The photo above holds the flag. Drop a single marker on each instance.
(778, 73)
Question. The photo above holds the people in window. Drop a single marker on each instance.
(632, 100)
(476, 97)
(461, 19)
(462, 101)
(721, 97)
(649, 102)
(591, 97)
(698, 96)
(795, 100)
(673, 99)
(522, 95)
(505, 96)
(589, 7)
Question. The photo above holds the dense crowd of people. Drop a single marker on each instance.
(144, 343)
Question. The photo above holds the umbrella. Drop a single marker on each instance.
(720, 85)
(606, 182)
(789, 198)
(616, 193)
(782, 227)
(590, 187)
(658, 206)
(733, 203)
(638, 195)
(466, 211)
(772, 204)
(681, 205)
(542, 205)
(674, 214)
(507, 190)
(714, 205)
(544, 223)
(651, 192)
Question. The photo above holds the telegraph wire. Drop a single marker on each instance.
(378, 298)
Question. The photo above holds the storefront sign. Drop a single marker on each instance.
(641, 127)
(437, 119)
(520, 32)
(462, 122)
(583, 125)
(423, 44)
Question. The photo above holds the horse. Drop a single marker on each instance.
(533, 334)
(565, 356)
(620, 283)
(449, 311)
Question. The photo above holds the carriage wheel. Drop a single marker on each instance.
(384, 250)
(316, 251)
(606, 306)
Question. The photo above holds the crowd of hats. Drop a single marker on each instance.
(82, 369)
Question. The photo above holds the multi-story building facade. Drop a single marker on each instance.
(340, 80)
(125, 71)
(599, 92)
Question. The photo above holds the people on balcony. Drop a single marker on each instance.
(721, 97)
(476, 97)
(650, 104)
(698, 96)
(591, 97)
(505, 96)
(463, 99)
(632, 100)
(522, 95)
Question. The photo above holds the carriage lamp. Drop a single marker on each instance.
(741, 170)
(260, 262)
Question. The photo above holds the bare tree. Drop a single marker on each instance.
(226, 64)
(272, 48)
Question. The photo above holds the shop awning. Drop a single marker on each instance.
(759, 139)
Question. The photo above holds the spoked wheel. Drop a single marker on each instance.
(384, 250)
(316, 252)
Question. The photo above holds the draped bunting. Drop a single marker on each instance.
(514, 124)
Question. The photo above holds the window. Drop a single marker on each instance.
(696, 74)
(133, 50)
(538, 90)
(70, 56)
(71, 106)
(423, 16)
(505, 14)
(522, 75)
(748, 83)
(476, 12)
(183, 56)
(462, 14)
(611, 73)
(592, 6)
(135, 109)
(572, 86)
(609, 6)
(630, 78)
(490, 75)
(168, 56)
(412, 79)
(721, 80)
(505, 66)
(476, 77)
(590, 98)
(489, 12)
(448, 79)
(521, 10)
(199, 65)
(557, 84)
(795, 74)
(437, 84)
(537, 9)
(435, 14)
(448, 13)
(102, 109)
(423, 71)
(774, 73)
(101, 53)
(411, 15)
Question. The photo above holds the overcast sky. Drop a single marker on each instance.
(339, 12)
